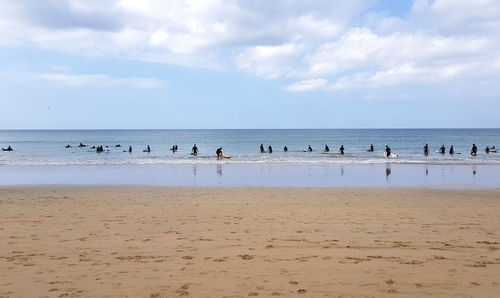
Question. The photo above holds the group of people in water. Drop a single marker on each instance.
(341, 150)
(473, 150)
(310, 149)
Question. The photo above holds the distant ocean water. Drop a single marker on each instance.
(47, 147)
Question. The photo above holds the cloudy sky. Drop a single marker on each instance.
(249, 63)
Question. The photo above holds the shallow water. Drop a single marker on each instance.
(47, 147)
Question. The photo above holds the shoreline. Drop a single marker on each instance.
(157, 241)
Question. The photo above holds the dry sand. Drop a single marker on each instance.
(239, 242)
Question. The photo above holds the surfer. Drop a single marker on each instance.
(262, 148)
(309, 149)
(326, 148)
(130, 149)
(426, 149)
(473, 151)
(148, 149)
(387, 151)
(218, 152)
(452, 151)
(285, 149)
(82, 145)
(371, 149)
(118, 145)
(341, 149)
(67, 146)
(194, 151)
(270, 149)
(8, 149)
(487, 149)
(442, 150)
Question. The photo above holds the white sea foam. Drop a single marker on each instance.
(155, 160)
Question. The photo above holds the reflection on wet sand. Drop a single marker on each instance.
(387, 172)
(257, 175)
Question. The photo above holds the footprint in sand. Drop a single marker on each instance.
(183, 290)
(246, 257)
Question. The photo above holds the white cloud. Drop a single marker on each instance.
(348, 43)
(269, 62)
(101, 80)
(307, 85)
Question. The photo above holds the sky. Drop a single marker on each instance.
(111, 64)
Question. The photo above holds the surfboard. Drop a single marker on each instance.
(225, 155)
(392, 155)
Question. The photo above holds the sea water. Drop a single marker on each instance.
(47, 147)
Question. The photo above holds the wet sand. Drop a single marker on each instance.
(76, 241)
(464, 176)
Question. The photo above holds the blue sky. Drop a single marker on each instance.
(249, 64)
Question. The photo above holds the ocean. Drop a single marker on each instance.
(47, 147)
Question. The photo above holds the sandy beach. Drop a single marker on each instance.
(101, 241)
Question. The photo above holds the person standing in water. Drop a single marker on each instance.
(473, 151)
(326, 148)
(194, 151)
(262, 148)
(387, 151)
(309, 148)
(218, 152)
(371, 149)
(426, 149)
(285, 149)
(442, 150)
(487, 150)
(341, 149)
(270, 149)
(452, 151)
